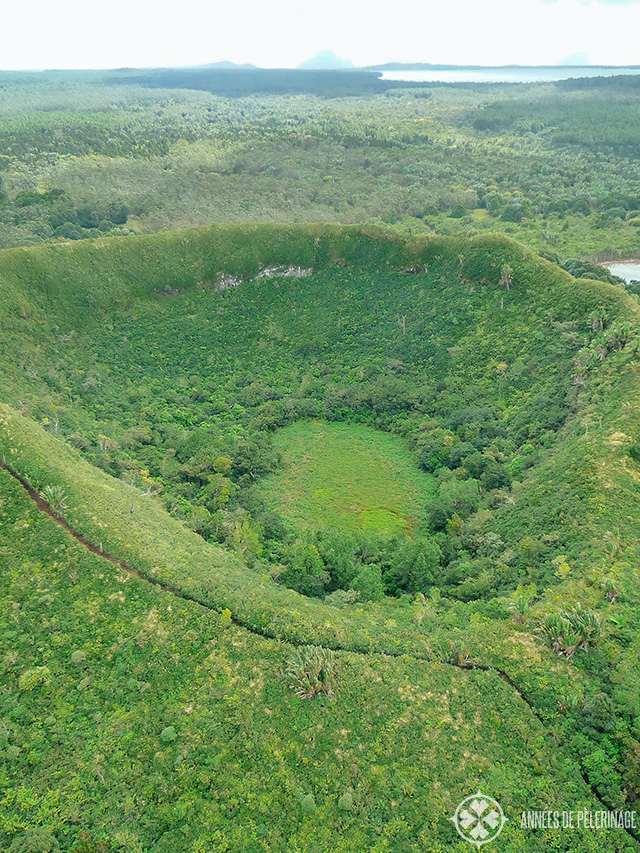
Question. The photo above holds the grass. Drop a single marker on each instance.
(346, 477)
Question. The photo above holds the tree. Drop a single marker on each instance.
(218, 492)
(35, 841)
(530, 550)
(368, 582)
(306, 573)
(598, 713)
(506, 276)
(415, 565)
(428, 459)
(458, 211)
(338, 555)
(242, 538)
(513, 213)
(461, 496)
(69, 231)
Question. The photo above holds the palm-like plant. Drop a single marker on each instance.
(55, 497)
(571, 641)
(611, 591)
(585, 623)
(459, 652)
(506, 276)
(567, 632)
(552, 629)
(519, 607)
(312, 671)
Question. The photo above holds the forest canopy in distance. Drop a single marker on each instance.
(83, 154)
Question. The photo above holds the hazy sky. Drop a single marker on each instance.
(272, 33)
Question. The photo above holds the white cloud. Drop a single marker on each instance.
(609, 2)
(74, 33)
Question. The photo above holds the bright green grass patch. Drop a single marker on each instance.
(347, 477)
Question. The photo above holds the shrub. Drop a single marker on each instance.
(312, 671)
(168, 734)
(35, 841)
(598, 714)
(32, 678)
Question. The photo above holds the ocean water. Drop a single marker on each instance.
(628, 270)
(505, 75)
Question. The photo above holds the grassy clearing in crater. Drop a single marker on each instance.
(347, 477)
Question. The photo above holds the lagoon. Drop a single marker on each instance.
(627, 270)
(507, 74)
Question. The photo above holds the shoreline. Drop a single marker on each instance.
(618, 261)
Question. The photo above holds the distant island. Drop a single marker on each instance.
(427, 66)
(227, 65)
(327, 60)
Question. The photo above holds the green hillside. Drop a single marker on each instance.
(419, 455)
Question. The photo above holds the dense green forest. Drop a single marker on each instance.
(85, 154)
(271, 647)
(310, 531)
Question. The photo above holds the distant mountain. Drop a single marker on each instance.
(579, 59)
(570, 62)
(326, 60)
(226, 64)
